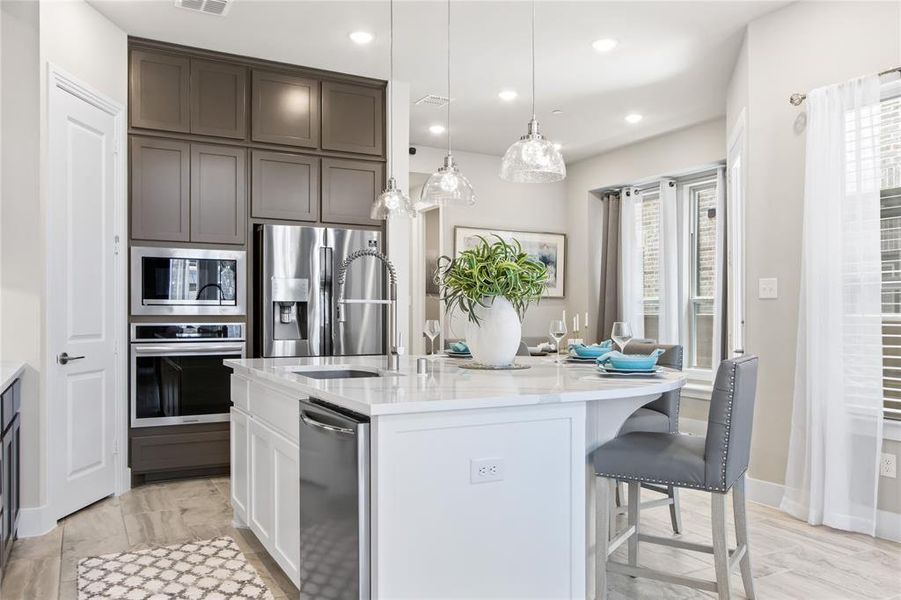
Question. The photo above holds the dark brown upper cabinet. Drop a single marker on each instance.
(284, 186)
(218, 99)
(285, 110)
(160, 176)
(352, 118)
(348, 190)
(218, 194)
(160, 91)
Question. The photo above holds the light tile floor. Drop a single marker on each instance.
(791, 560)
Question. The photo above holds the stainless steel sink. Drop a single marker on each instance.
(338, 374)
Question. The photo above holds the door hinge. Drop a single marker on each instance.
(116, 245)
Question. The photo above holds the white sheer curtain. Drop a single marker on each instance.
(836, 434)
(670, 309)
(631, 272)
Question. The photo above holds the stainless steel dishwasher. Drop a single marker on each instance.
(334, 503)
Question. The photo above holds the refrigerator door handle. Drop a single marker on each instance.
(327, 257)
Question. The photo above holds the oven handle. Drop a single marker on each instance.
(186, 349)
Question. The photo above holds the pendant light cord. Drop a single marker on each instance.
(391, 85)
(448, 77)
(533, 59)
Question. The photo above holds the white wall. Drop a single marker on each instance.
(668, 154)
(795, 49)
(504, 205)
(76, 38)
(21, 248)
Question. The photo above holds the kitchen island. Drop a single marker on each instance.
(469, 484)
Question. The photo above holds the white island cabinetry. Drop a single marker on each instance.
(265, 469)
(466, 484)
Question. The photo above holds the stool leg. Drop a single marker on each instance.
(603, 488)
(720, 544)
(634, 512)
(740, 505)
(675, 514)
(619, 493)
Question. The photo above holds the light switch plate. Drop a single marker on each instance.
(483, 470)
(768, 288)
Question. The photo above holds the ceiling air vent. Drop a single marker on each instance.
(210, 7)
(432, 100)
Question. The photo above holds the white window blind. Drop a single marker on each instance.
(890, 167)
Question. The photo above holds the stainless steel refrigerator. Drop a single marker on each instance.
(296, 291)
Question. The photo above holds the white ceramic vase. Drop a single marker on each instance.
(495, 340)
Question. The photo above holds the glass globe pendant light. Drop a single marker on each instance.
(533, 159)
(392, 202)
(447, 185)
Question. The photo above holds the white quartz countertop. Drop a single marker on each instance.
(9, 370)
(447, 386)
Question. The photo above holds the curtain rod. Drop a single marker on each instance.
(797, 99)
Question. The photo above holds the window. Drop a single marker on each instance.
(890, 217)
(649, 218)
(702, 275)
(696, 233)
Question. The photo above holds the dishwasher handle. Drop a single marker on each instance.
(312, 422)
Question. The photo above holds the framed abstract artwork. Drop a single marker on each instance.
(549, 248)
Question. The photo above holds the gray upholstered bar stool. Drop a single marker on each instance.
(662, 416)
(714, 464)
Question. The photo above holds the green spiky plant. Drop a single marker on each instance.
(477, 275)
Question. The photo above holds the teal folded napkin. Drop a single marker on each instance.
(460, 347)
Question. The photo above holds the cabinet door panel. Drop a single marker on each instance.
(286, 534)
(348, 190)
(285, 186)
(159, 91)
(160, 174)
(218, 99)
(262, 484)
(352, 118)
(218, 194)
(240, 457)
(285, 110)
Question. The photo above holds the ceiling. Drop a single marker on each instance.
(672, 63)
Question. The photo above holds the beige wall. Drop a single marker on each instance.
(668, 154)
(504, 205)
(795, 49)
(76, 38)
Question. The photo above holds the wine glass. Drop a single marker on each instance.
(557, 330)
(432, 329)
(621, 334)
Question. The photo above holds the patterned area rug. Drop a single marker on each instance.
(206, 570)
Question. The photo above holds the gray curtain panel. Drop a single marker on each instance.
(608, 296)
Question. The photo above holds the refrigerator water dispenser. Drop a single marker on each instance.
(289, 307)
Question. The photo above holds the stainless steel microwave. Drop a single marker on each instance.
(185, 281)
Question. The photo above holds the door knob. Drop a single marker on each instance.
(64, 358)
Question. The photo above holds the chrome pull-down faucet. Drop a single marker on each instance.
(391, 301)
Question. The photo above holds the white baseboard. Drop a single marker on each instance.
(888, 525)
(36, 521)
(765, 492)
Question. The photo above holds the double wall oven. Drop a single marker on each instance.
(177, 371)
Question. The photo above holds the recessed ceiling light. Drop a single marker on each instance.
(507, 95)
(633, 118)
(361, 37)
(556, 112)
(436, 129)
(604, 44)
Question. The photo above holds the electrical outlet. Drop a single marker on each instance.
(483, 470)
(768, 288)
(888, 466)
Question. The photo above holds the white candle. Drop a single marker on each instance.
(564, 315)
(586, 320)
(576, 328)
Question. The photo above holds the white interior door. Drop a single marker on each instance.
(81, 299)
